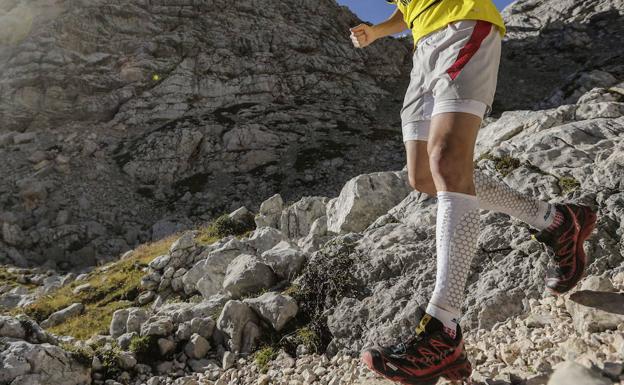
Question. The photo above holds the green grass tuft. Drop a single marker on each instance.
(308, 338)
(110, 362)
(82, 356)
(145, 348)
(263, 357)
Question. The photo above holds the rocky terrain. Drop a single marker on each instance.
(288, 291)
(124, 122)
(117, 132)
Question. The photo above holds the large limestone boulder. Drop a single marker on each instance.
(568, 373)
(11, 327)
(206, 276)
(364, 198)
(275, 308)
(264, 238)
(270, 212)
(596, 308)
(297, 219)
(285, 259)
(26, 363)
(239, 323)
(247, 275)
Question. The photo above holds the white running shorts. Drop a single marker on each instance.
(455, 70)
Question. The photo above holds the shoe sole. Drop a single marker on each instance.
(584, 232)
(459, 370)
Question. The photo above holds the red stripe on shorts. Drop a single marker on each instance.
(479, 33)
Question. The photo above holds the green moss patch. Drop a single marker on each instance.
(568, 184)
(504, 165)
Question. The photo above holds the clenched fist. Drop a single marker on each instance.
(362, 35)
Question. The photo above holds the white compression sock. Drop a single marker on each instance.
(457, 232)
(497, 196)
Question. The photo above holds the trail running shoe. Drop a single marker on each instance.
(424, 358)
(566, 242)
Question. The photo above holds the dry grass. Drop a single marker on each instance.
(113, 286)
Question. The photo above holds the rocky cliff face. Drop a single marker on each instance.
(555, 51)
(124, 122)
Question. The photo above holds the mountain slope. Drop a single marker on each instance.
(127, 121)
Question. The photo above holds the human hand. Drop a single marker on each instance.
(362, 35)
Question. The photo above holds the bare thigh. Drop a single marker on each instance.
(418, 167)
(452, 139)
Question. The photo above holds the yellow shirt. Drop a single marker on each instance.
(426, 16)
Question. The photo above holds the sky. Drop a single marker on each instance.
(378, 10)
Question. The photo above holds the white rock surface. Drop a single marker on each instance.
(364, 198)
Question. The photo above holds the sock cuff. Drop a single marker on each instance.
(456, 195)
(469, 201)
(450, 319)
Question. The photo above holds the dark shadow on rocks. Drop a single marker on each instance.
(605, 301)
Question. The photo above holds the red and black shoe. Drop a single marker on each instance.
(424, 358)
(566, 242)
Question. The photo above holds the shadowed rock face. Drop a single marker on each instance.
(121, 115)
(557, 50)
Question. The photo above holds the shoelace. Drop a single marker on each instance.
(401, 348)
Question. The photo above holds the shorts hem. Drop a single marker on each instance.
(416, 130)
(469, 106)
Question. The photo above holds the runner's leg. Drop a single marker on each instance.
(451, 146)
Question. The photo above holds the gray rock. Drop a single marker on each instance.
(242, 216)
(229, 359)
(274, 308)
(184, 331)
(572, 373)
(80, 288)
(203, 326)
(200, 366)
(270, 212)
(136, 318)
(247, 275)
(126, 360)
(185, 242)
(160, 262)
(296, 220)
(26, 363)
(197, 347)
(157, 326)
(63, 315)
(233, 322)
(265, 238)
(11, 327)
(25, 137)
(118, 323)
(146, 297)
(595, 311)
(166, 346)
(207, 275)
(284, 259)
(364, 198)
(124, 340)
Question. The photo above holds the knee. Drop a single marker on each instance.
(452, 171)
